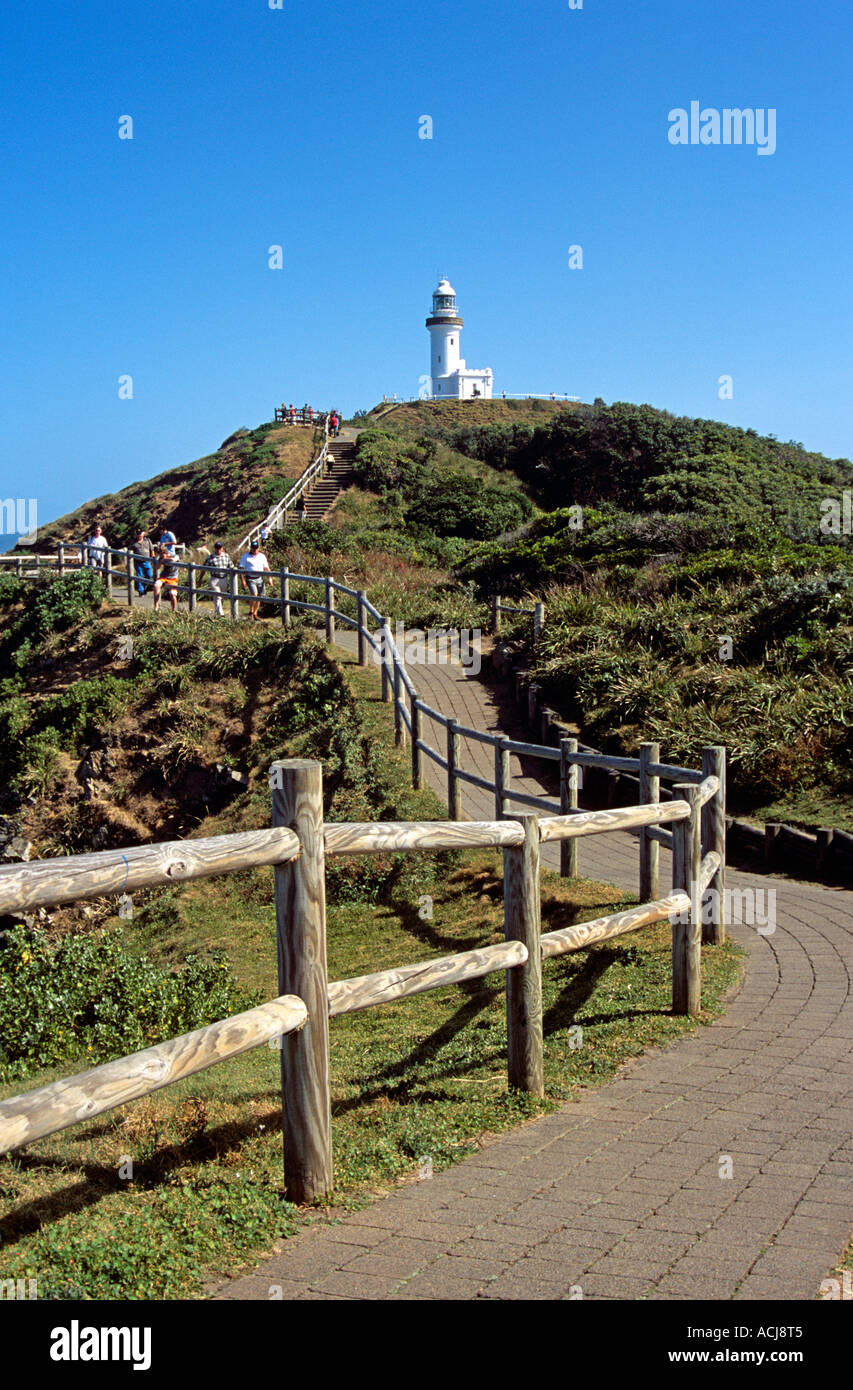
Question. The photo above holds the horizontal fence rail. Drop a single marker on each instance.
(346, 996)
(26, 1118)
(51, 882)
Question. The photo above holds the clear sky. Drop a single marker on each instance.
(299, 126)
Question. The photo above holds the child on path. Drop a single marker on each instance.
(167, 578)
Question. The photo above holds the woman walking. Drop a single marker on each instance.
(254, 566)
(219, 564)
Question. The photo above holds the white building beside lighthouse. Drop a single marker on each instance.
(450, 378)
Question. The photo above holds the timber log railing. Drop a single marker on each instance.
(297, 1019)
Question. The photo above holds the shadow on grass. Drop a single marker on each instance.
(423, 1053)
(101, 1180)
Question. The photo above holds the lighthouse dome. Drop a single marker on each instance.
(445, 287)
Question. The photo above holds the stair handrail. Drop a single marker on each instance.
(275, 520)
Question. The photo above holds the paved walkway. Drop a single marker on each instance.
(621, 1196)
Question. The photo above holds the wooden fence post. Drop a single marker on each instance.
(385, 648)
(300, 905)
(129, 568)
(284, 597)
(191, 586)
(232, 593)
(714, 840)
(538, 620)
(687, 926)
(60, 558)
(399, 697)
(454, 786)
(532, 703)
(417, 751)
(330, 603)
(502, 777)
(361, 614)
(649, 849)
(568, 803)
(496, 614)
(524, 982)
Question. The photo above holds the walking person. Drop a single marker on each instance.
(300, 508)
(95, 550)
(167, 578)
(218, 564)
(254, 566)
(334, 424)
(143, 561)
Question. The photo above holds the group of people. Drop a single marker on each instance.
(290, 415)
(156, 567)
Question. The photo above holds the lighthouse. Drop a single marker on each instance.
(450, 377)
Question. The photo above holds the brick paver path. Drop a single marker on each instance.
(620, 1195)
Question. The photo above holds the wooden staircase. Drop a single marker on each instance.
(320, 501)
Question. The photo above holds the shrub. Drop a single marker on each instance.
(87, 997)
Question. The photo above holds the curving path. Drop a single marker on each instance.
(620, 1195)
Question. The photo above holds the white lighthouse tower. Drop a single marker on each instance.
(449, 376)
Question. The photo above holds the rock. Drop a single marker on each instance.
(18, 850)
(10, 826)
(230, 776)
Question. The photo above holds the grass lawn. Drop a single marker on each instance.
(155, 1200)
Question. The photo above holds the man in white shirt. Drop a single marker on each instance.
(253, 565)
(95, 550)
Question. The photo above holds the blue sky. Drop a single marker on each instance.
(299, 127)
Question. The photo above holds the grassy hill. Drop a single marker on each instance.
(216, 497)
(698, 598)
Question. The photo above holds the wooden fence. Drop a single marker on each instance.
(297, 845)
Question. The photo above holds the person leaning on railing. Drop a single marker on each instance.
(143, 561)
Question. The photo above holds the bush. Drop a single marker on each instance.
(86, 997)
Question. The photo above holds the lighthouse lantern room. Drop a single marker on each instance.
(449, 375)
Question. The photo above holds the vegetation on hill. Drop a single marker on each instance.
(695, 593)
(218, 496)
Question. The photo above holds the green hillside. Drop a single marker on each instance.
(218, 496)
